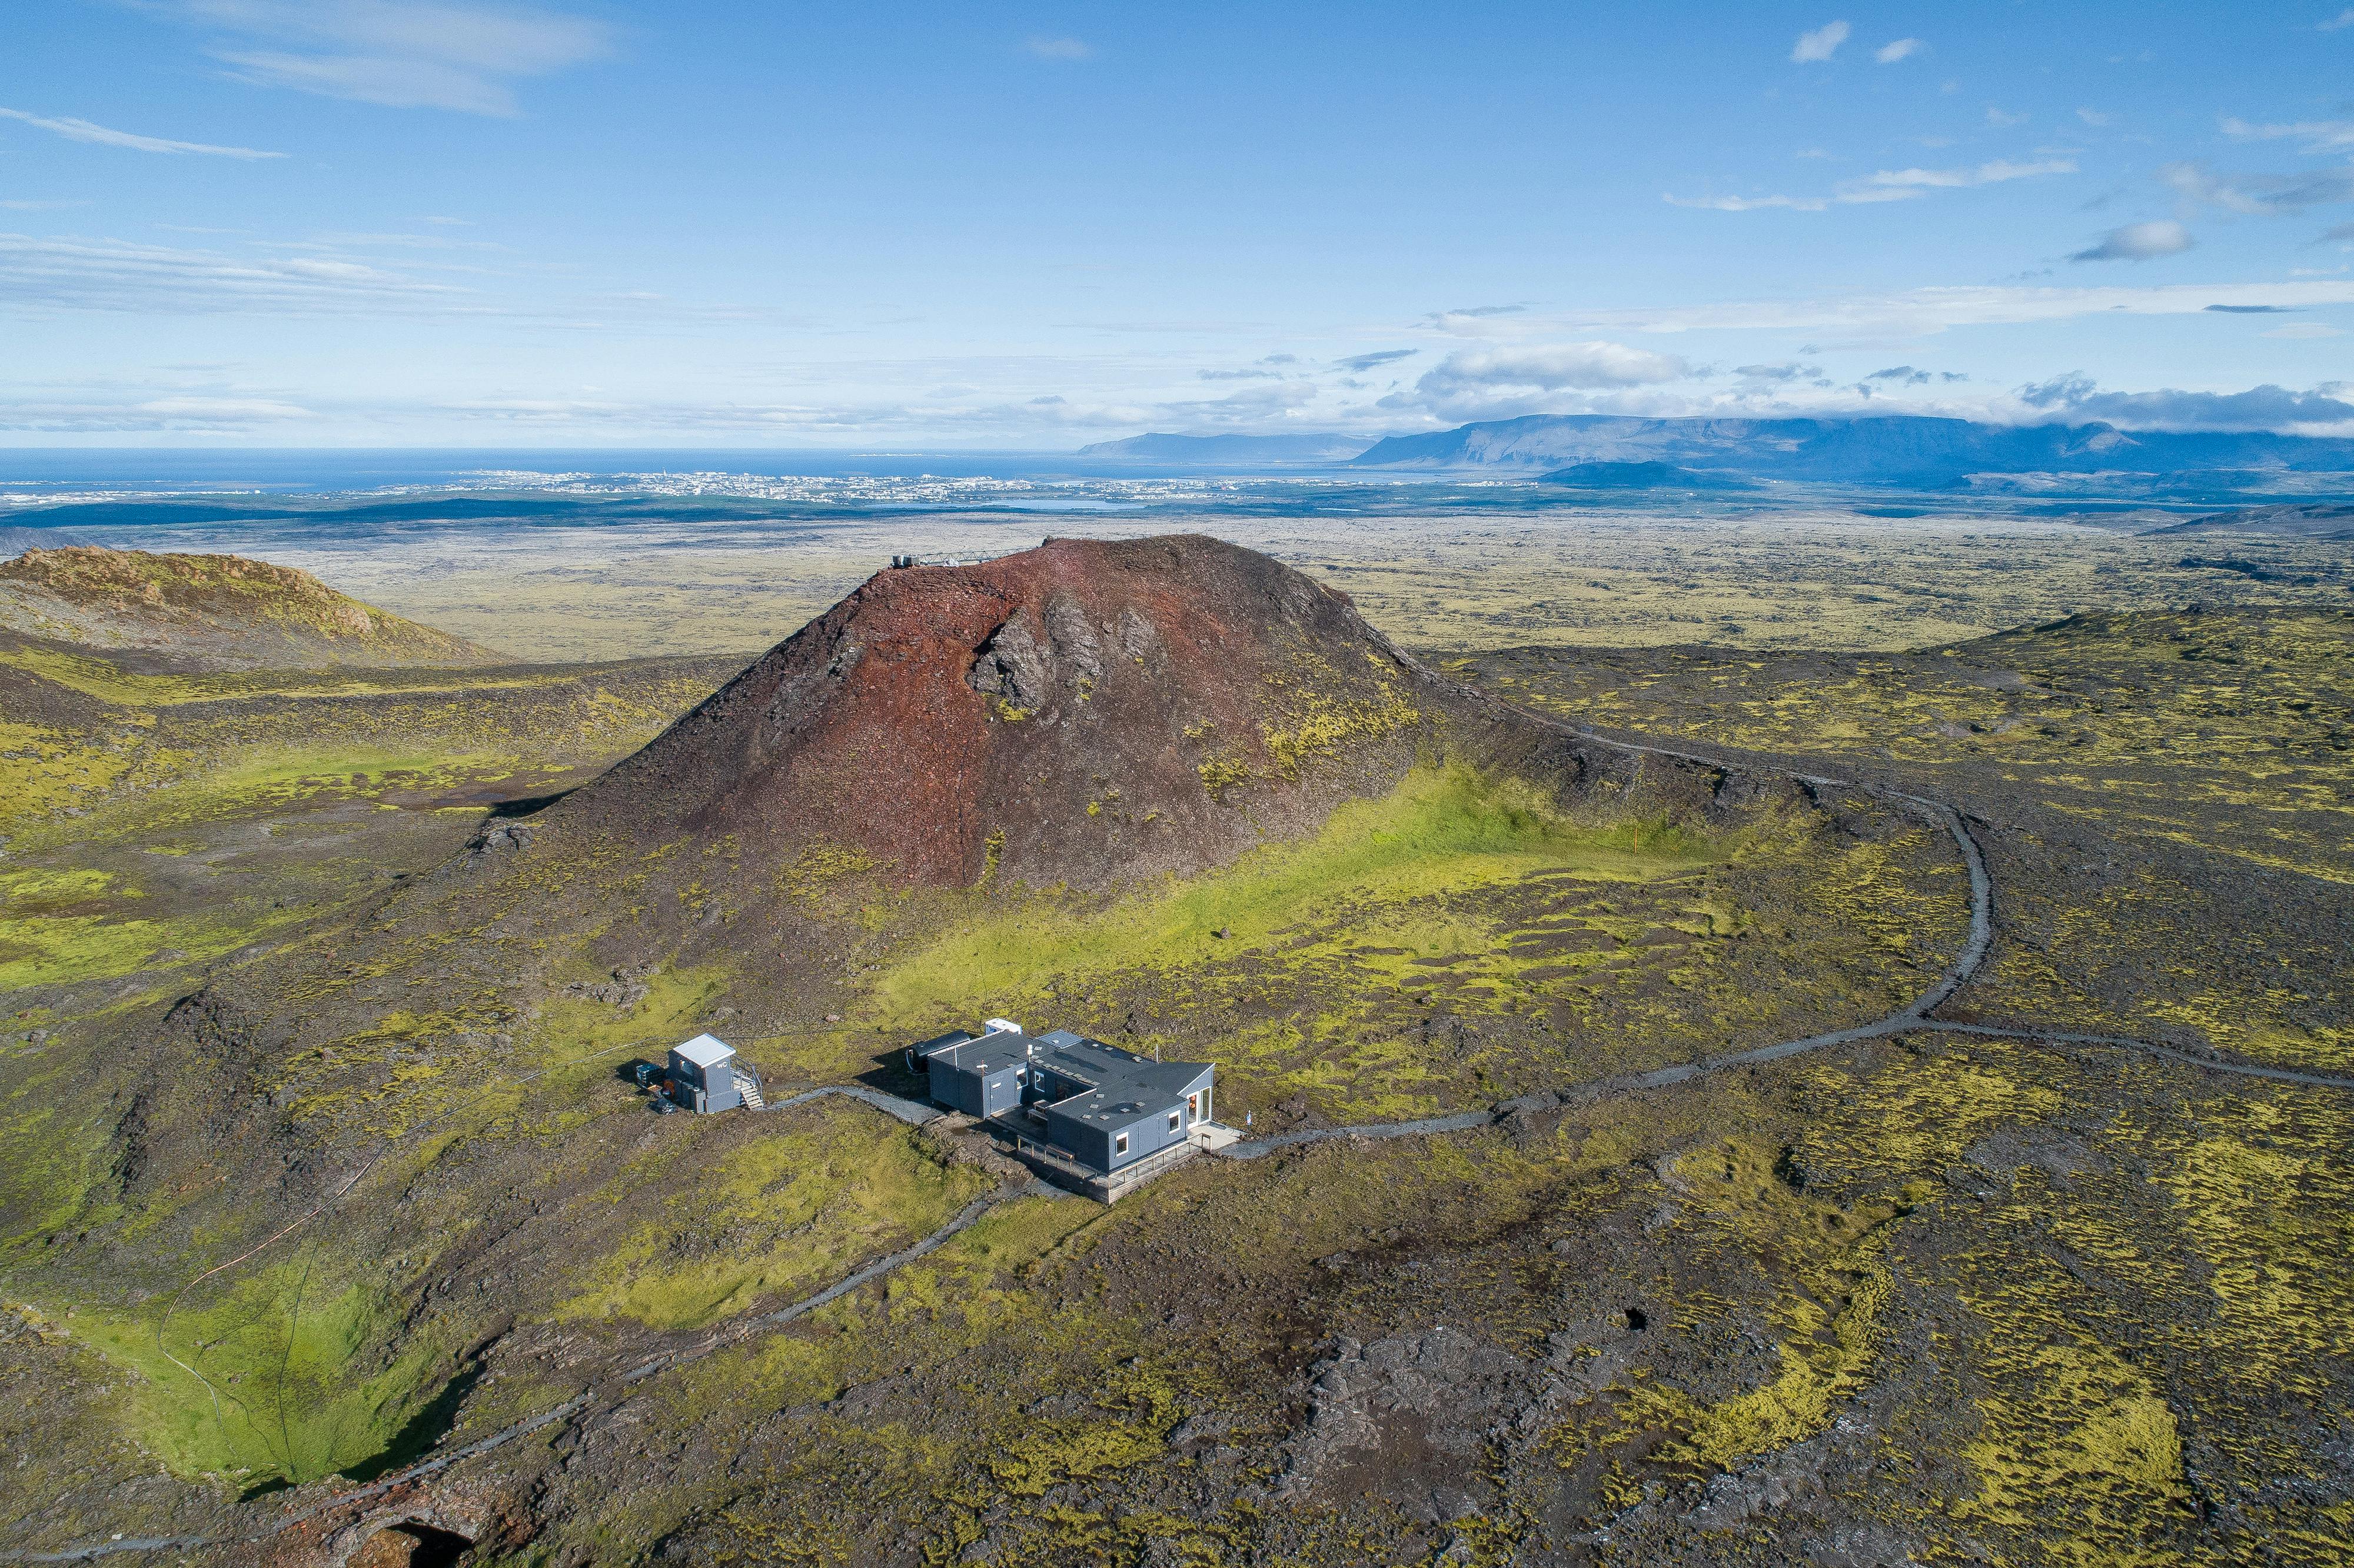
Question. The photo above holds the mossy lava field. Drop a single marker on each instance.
(1692, 1104)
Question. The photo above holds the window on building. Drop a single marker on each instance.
(1119, 1144)
(1174, 1117)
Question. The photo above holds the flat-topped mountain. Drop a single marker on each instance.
(211, 613)
(1086, 711)
(1907, 449)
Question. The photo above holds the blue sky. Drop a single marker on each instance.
(337, 222)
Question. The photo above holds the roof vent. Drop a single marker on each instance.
(1000, 1026)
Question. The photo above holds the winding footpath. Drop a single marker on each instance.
(1918, 1016)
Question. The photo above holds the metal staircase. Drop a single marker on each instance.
(748, 1084)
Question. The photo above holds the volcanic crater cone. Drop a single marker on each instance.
(1086, 712)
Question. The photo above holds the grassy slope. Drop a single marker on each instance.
(211, 609)
(1454, 941)
(149, 837)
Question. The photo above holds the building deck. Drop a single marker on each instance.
(1021, 1141)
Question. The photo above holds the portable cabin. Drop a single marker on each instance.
(703, 1075)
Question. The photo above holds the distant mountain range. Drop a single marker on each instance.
(1606, 451)
(1898, 449)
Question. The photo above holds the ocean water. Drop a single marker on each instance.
(57, 472)
(274, 503)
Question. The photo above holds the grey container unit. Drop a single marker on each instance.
(977, 1075)
(702, 1075)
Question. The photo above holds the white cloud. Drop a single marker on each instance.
(112, 275)
(2260, 195)
(2343, 19)
(125, 416)
(1481, 382)
(2303, 330)
(1998, 172)
(1901, 49)
(1916, 312)
(394, 241)
(2003, 119)
(2318, 135)
(1589, 365)
(406, 54)
(2140, 242)
(101, 135)
(1054, 49)
(2093, 117)
(1887, 184)
(1820, 44)
(2322, 410)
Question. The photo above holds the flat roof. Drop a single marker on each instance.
(1117, 1088)
(1116, 1075)
(705, 1050)
(925, 1049)
(966, 1052)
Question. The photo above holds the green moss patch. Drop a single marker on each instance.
(776, 1217)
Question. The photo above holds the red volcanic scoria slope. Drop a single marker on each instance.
(1084, 712)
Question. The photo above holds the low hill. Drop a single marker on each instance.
(2285, 522)
(1641, 476)
(1900, 449)
(211, 613)
(1230, 449)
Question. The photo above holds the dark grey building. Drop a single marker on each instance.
(1094, 1104)
(702, 1075)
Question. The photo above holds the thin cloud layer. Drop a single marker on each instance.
(1887, 184)
(2267, 407)
(2259, 195)
(2318, 135)
(403, 54)
(110, 275)
(105, 136)
(1925, 312)
(1358, 364)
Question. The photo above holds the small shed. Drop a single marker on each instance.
(702, 1075)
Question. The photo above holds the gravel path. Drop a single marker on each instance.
(907, 1111)
(1964, 967)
